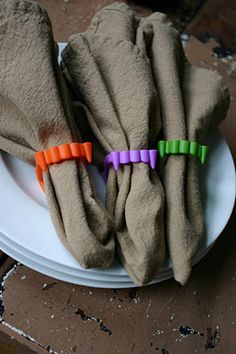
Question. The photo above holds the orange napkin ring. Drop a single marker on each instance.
(60, 153)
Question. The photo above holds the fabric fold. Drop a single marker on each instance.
(192, 102)
(35, 114)
(111, 75)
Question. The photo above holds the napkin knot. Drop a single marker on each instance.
(60, 153)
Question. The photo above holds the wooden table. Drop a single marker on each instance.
(40, 314)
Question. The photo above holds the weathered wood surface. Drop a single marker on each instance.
(46, 315)
(162, 318)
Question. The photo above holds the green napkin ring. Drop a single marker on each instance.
(170, 147)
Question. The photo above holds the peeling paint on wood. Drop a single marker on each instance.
(85, 317)
(186, 331)
(213, 338)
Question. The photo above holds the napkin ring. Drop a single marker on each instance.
(186, 147)
(117, 158)
(58, 154)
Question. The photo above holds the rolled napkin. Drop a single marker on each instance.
(35, 114)
(193, 101)
(111, 75)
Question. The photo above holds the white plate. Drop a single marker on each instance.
(77, 278)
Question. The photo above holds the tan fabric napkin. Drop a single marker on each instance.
(111, 75)
(192, 102)
(35, 114)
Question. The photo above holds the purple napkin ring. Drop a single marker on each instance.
(118, 158)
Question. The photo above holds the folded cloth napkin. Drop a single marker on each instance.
(35, 114)
(193, 101)
(112, 77)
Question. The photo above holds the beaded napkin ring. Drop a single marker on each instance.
(118, 158)
(60, 153)
(170, 147)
